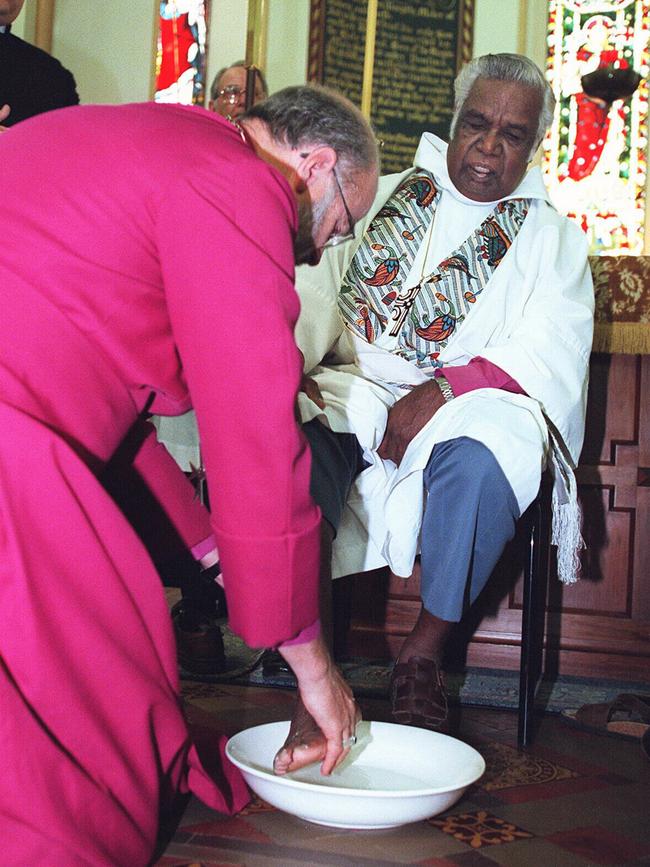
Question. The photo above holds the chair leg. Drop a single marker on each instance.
(532, 624)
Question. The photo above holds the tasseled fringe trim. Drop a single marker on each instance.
(567, 518)
(625, 338)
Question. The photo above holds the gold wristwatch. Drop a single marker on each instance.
(445, 388)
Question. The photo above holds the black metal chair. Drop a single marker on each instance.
(533, 530)
(533, 612)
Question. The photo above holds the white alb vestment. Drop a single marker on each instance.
(534, 320)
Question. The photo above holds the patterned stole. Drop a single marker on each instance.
(424, 319)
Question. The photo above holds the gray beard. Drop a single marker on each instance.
(310, 218)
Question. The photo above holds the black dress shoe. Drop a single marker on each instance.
(199, 644)
(274, 665)
(214, 592)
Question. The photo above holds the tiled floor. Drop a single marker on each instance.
(571, 799)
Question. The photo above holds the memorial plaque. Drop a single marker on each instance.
(418, 50)
(343, 41)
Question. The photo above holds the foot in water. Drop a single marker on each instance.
(305, 743)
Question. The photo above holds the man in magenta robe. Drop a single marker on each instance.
(147, 260)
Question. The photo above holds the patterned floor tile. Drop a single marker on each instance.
(183, 856)
(508, 767)
(247, 852)
(535, 853)
(183, 862)
(256, 806)
(548, 805)
(599, 845)
(233, 827)
(478, 720)
(480, 828)
(621, 809)
(547, 791)
(515, 776)
(477, 797)
(471, 859)
(410, 844)
(596, 766)
(435, 862)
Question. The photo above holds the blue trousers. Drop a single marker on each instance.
(469, 518)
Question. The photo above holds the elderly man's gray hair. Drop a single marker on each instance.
(214, 88)
(310, 115)
(506, 67)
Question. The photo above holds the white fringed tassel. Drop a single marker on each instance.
(567, 518)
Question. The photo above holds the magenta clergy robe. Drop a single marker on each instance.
(143, 248)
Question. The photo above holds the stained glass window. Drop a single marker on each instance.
(595, 155)
(181, 49)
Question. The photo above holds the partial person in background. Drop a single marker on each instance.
(228, 91)
(31, 80)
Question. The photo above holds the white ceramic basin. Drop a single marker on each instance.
(394, 775)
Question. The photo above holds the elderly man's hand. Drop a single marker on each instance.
(4, 114)
(408, 416)
(311, 389)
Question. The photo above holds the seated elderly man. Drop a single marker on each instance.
(460, 362)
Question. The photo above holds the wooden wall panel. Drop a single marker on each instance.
(607, 563)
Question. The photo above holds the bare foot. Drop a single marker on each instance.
(305, 743)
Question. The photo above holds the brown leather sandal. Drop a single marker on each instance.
(628, 716)
(417, 694)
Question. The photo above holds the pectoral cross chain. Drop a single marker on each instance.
(403, 303)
